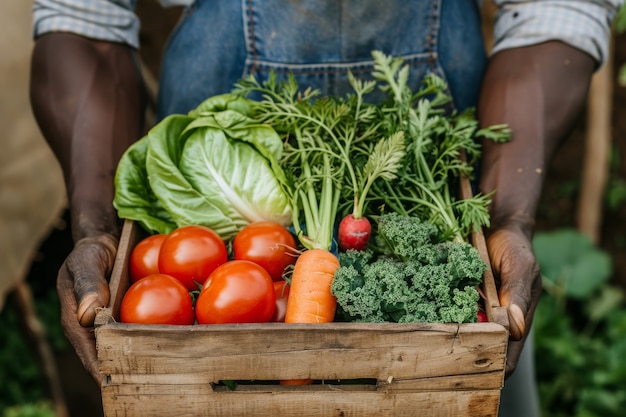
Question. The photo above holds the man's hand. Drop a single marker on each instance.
(83, 290)
(515, 266)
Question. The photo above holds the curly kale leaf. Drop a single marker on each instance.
(404, 237)
(435, 282)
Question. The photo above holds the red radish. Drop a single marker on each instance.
(482, 317)
(354, 233)
(384, 161)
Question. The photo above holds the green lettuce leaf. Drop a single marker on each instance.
(214, 168)
(134, 198)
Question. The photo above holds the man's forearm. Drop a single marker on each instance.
(88, 100)
(538, 91)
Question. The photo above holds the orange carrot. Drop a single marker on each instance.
(310, 299)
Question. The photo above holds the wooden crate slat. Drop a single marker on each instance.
(166, 341)
(265, 355)
(157, 400)
(480, 381)
(336, 366)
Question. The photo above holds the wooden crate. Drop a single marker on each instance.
(362, 370)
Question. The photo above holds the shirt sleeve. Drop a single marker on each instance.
(584, 24)
(108, 20)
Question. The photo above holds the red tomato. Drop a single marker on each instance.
(268, 244)
(281, 289)
(157, 299)
(191, 253)
(236, 292)
(144, 259)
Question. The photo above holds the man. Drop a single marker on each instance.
(88, 98)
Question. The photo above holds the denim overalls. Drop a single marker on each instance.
(220, 41)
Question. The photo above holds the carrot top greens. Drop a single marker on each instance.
(403, 155)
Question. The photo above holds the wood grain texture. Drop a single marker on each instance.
(276, 351)
(193, 400)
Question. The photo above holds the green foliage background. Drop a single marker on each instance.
(22, 387)
(580, 329)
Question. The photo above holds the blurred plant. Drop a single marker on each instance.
(579, 327)
(619, 26)
(615, 194)
(40, 409)
(22, 386)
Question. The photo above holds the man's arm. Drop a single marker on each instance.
(538, 91)
(88, 100)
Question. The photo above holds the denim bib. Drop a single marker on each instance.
(217, 42)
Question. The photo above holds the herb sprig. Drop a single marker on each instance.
(435, 141)
(333, 149)
(401, 155)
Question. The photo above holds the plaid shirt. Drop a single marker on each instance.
(584, 24)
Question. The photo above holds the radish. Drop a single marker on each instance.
(354, 233)
(482, 317)
(383, 162)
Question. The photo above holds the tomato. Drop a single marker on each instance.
(238, 291)
(144, 259)
(268, 244)
(157, 299)
(281, 290)
(191, 253)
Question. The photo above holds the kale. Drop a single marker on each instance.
(416, 278)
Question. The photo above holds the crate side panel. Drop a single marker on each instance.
(216, 340)
(338, 364)
(293, 352)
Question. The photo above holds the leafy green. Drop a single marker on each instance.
(22, 381)
(40, 409)
(419, 278)
(404, 154)
(441, 146)
(215, 167)
(573, 259)
(134, 198)
(384, 161)
(332, 150)
(579, 328)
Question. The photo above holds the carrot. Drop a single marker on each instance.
(310, 299)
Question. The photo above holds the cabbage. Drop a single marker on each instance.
(214, 167)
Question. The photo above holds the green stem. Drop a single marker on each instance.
(326, 206)
(439, 206)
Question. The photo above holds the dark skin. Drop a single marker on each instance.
(88, 100)
(538, 91)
